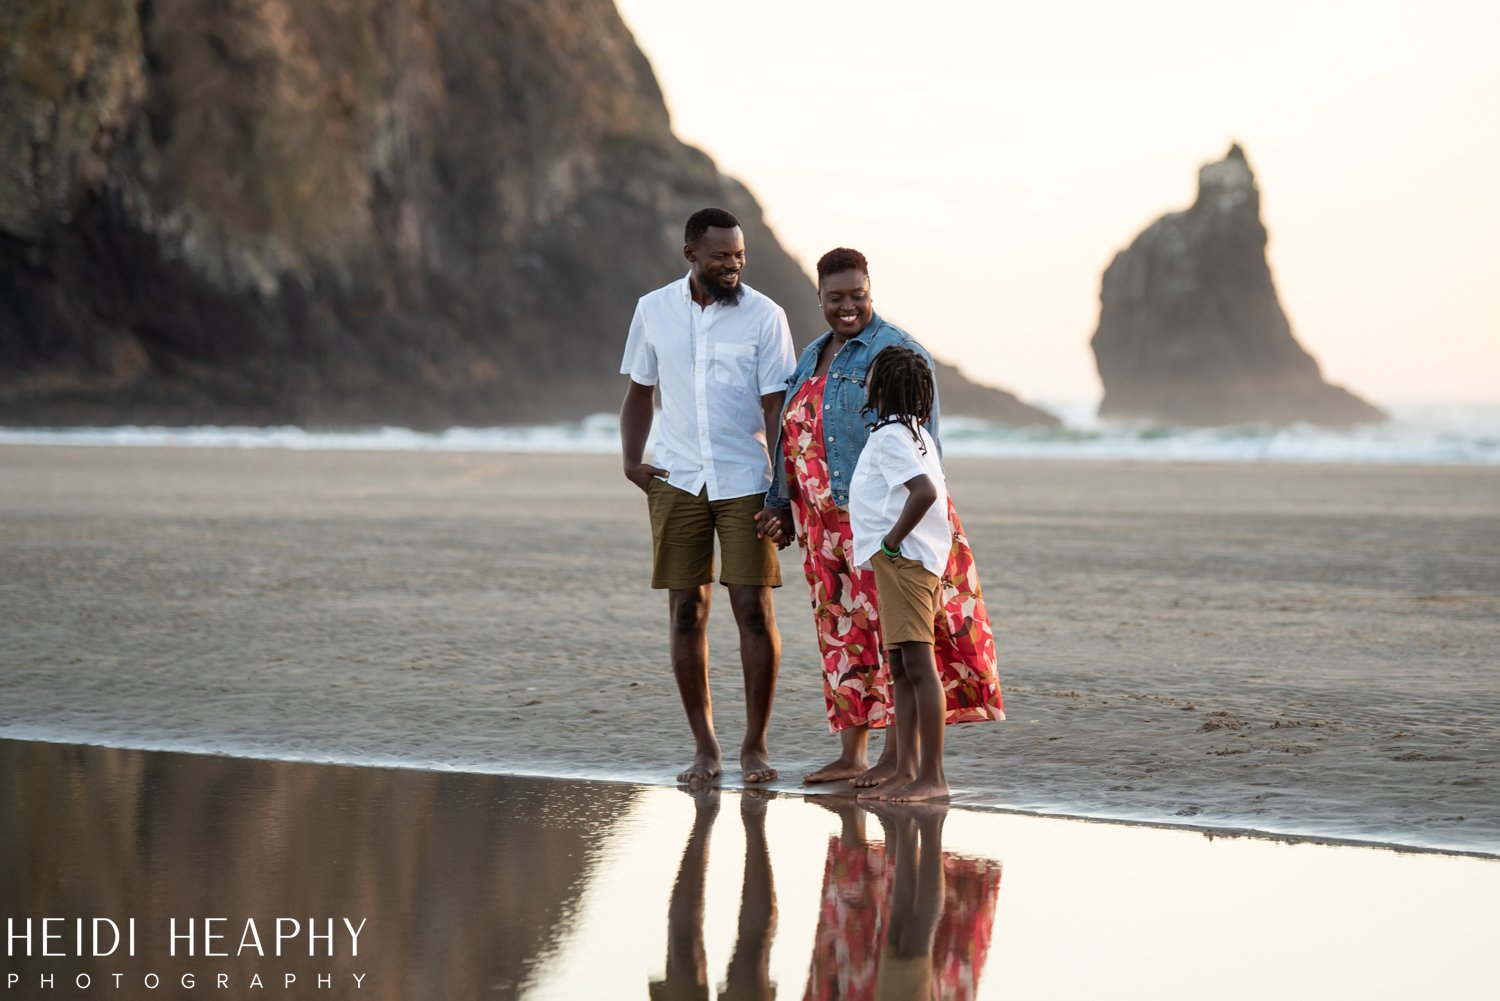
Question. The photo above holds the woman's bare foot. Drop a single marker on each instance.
(837, 771)
(851, 761)
(705, 768)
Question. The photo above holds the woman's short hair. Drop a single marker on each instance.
(842, 259)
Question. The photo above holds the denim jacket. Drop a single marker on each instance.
(844, 430)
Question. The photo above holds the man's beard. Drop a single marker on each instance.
(725, 295)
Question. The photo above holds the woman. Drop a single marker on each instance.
(823, 429)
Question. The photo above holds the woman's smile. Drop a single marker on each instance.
(846, 302)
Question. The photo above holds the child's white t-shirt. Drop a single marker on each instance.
(877, 493)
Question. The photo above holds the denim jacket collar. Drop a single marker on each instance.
(816, 347)
(844, 423)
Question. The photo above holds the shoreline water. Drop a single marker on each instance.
(1295, 649)
(962, 800)
(408, 882)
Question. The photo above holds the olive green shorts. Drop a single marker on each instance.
(907, 597)
(682, 539)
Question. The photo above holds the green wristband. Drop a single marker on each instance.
(888, 552)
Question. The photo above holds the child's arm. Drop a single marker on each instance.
(921, 496)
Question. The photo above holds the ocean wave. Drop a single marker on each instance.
(1415, 434)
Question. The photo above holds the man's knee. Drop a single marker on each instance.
(752, 609)
(689, 611)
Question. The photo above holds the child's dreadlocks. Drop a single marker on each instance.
(899, 390)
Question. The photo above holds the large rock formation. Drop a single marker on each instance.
(959, 396)
(1190, 328)
(267, 211)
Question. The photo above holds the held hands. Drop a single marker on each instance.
(775, 523)
(642, 473)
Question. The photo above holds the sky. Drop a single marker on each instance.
(990, 159)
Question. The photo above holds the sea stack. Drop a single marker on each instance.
(1190, 328)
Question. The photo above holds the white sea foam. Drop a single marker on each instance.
(1421, 434)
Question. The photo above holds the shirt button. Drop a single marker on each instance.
(835, 472)
(830, 438)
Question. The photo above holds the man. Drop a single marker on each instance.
(721, 353)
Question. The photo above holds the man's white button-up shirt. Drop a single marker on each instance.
(713, 365)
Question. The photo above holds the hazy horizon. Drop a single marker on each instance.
(991, 162)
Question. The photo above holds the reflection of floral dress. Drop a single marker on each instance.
(852, 916)
(856, 678)
(971, 888)
(851, 922)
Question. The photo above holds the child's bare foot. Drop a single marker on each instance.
(837, 771)
(920, 791)
(895, 780)
(705, 768)
(755, 765)
(875, 775)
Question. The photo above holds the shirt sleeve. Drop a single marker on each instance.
(776, 357)
(896, 454)
(639, 361)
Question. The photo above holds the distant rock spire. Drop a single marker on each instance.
(1190, 327)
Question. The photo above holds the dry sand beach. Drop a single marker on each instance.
(1290, 648)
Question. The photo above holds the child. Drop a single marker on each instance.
(898, 504)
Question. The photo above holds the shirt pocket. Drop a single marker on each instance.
(734, 365)
(848, 400)
(851, 388)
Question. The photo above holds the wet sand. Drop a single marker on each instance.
(1303, 649)
(239, 878)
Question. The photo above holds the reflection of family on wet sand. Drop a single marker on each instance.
(837, 450)
(898, 919)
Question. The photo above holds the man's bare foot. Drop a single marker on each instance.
(873, 776)
(756, 766)
(753, 801)
(837, 771)
(705, 768)
(705, 801)
(921, 791)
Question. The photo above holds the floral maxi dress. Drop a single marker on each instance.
(856, 677)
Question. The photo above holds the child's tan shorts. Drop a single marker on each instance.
(907, 596)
